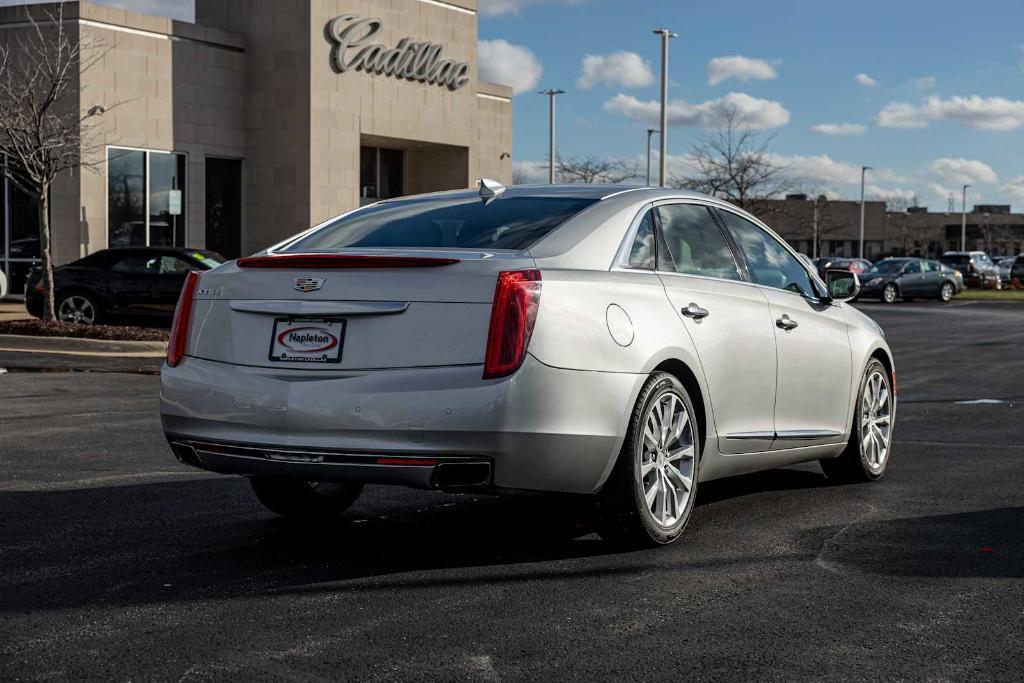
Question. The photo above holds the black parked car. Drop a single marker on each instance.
(141, 282)
(977, 267)
(894, 278)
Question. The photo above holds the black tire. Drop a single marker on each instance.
(890, 293)
(855, 463)
(947, 291)
(305, 499)
(623, 515)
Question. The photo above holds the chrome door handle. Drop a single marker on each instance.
(696, 312)
(786, 323)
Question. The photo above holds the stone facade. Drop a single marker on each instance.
(252, 80)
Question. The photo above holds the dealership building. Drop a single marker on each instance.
(260, 119)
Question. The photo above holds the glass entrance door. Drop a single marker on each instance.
(224, 206)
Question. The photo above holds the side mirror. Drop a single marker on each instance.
(843, 285)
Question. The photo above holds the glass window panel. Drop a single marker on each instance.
(391, 173)
(166, 177)
(25, 237)
(172, 265)
(3, 215)
(771, 264)
(643, 252)
(126, 198)
(368, 172)
(696, 245)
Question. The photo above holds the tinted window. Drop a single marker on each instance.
(463, 223)
(771, 263)
(172, 265)
(642, 255)
(912, 267)
(137, 264)
(956, 259)
(887, 266)
(695, 243)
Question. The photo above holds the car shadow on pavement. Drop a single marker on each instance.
(208, 539)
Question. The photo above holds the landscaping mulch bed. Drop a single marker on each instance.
(40, 328)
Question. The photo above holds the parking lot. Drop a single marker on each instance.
(116, 561)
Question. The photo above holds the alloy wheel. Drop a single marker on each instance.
(946, 293)
(889, 294)
(875, 420)
(667, 460)
(77, 309)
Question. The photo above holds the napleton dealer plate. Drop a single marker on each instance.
(307, 340)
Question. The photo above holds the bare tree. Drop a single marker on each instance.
(43, 132)
(588, 169)
(733, 163)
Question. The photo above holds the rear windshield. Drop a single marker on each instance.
(464, 223)
(956, 258)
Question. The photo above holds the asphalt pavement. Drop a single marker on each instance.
(117, 562)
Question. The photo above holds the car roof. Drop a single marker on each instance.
(566, 190)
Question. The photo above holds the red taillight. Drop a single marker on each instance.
(182, 316)
(516, 300)
(317, 261)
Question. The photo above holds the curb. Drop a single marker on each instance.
(70, 346)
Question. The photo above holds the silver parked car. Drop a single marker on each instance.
(627, 343)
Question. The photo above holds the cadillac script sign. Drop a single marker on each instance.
(355, 50)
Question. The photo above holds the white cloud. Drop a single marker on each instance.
(1013, 189)
(514, 65)
(530, 172)
(619, 68)
(961, 171)
(839, 128)
(494, 8)
(865, 80)
(984, 113)
(743, 68)
(925, 83)
(877, 193)
(824, 171)
(753, 112)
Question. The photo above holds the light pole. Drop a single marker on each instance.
(650, 132)
(663, 140)
(551, 132)
(863, 171)
(963, 221)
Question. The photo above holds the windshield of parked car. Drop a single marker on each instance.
(886, 266)
(449, 223)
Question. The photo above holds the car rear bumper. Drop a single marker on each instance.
(543, 428)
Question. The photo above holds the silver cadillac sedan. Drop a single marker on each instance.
(623, 342)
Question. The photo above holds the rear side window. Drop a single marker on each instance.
(695, 243)
(138, 264)
(463, 223)
(912, 267)
(771, 264)
(642, 255)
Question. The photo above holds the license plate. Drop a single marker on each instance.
(307, 340)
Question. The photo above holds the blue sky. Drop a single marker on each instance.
(940, 102)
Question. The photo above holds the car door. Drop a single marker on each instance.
(171, 275)
(726, 318)
(911, 280)
(811, 340)
(931, 278)
(132, 277)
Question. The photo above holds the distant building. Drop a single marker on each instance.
(991, 228)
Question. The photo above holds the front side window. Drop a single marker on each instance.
(929, 266)
(137, 264)
(172, 265)
(695, 243)
(642, 255)
(770, 263)
(452, 223)
(145, 198)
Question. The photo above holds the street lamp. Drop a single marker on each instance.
(963, 221)
(551, 132)
(863, 171)
(650, 132)
(663, 140)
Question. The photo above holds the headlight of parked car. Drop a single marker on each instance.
(875, 281)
